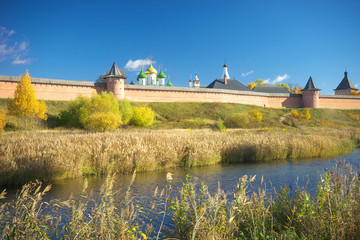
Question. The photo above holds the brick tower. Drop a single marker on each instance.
(115, 82)
(310, 95)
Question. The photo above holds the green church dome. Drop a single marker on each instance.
(169, 84)
(141, 75)
(161, 74)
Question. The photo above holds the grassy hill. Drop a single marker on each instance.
(206, 115)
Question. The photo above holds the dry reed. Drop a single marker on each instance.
(26, 156)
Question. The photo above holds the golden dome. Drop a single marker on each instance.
(150, 70)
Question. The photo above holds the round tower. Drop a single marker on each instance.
(310, 95)
(115, 82)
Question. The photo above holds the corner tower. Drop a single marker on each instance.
(345, 87)
(310, 95)
(115, 82)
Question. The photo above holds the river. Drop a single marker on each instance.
(278, 173)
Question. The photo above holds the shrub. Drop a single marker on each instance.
(219, 126)
(2, 120)
(142, 116)
(72, 116)
(80, 110)
(256, 114)
(101, 122)
(237, 120)
(295, 113)
(126, 111)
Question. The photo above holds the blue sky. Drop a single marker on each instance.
(285, 41)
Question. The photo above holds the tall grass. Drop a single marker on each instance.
(332, 213)
(57, 155)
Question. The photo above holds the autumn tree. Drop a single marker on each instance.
(296, 90)
(251, 85)
(24, 103)
(258, 82)
(284, 85)
(2, 120)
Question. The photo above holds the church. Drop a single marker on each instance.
(151, 77)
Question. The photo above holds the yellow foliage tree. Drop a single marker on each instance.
(283, 85)
(355, 93)
(251, 85)
(42, 110)
(25, 103)
(2, 120)
(258, 82)
(296, 90)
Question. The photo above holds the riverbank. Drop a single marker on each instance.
(53, 155)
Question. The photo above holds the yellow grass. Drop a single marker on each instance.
(53, 155)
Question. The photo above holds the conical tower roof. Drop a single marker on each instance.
(310, 85)
(346, 83)
(114, 71)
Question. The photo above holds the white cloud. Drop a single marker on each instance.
(280, 78)
(267, 81)
(21, 61)
(11, 32)
(247, 74)
(12, 50)
(356, 85)
(137, 64)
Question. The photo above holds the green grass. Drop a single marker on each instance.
(183, 115)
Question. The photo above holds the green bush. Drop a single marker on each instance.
(71, 116)
(126, 111)
(142, 116)
(101, 122)
(101, 112)
(237, 120)
(219, 126)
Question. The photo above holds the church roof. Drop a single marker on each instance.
(346, 83)
(270, 89)
(141, 75)
(310, 85)
(115, 71)
(232, 84)
(150, 70)
(169, 84)
(161, 74)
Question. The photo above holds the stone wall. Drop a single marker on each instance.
(50, 89)
(339, 101)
